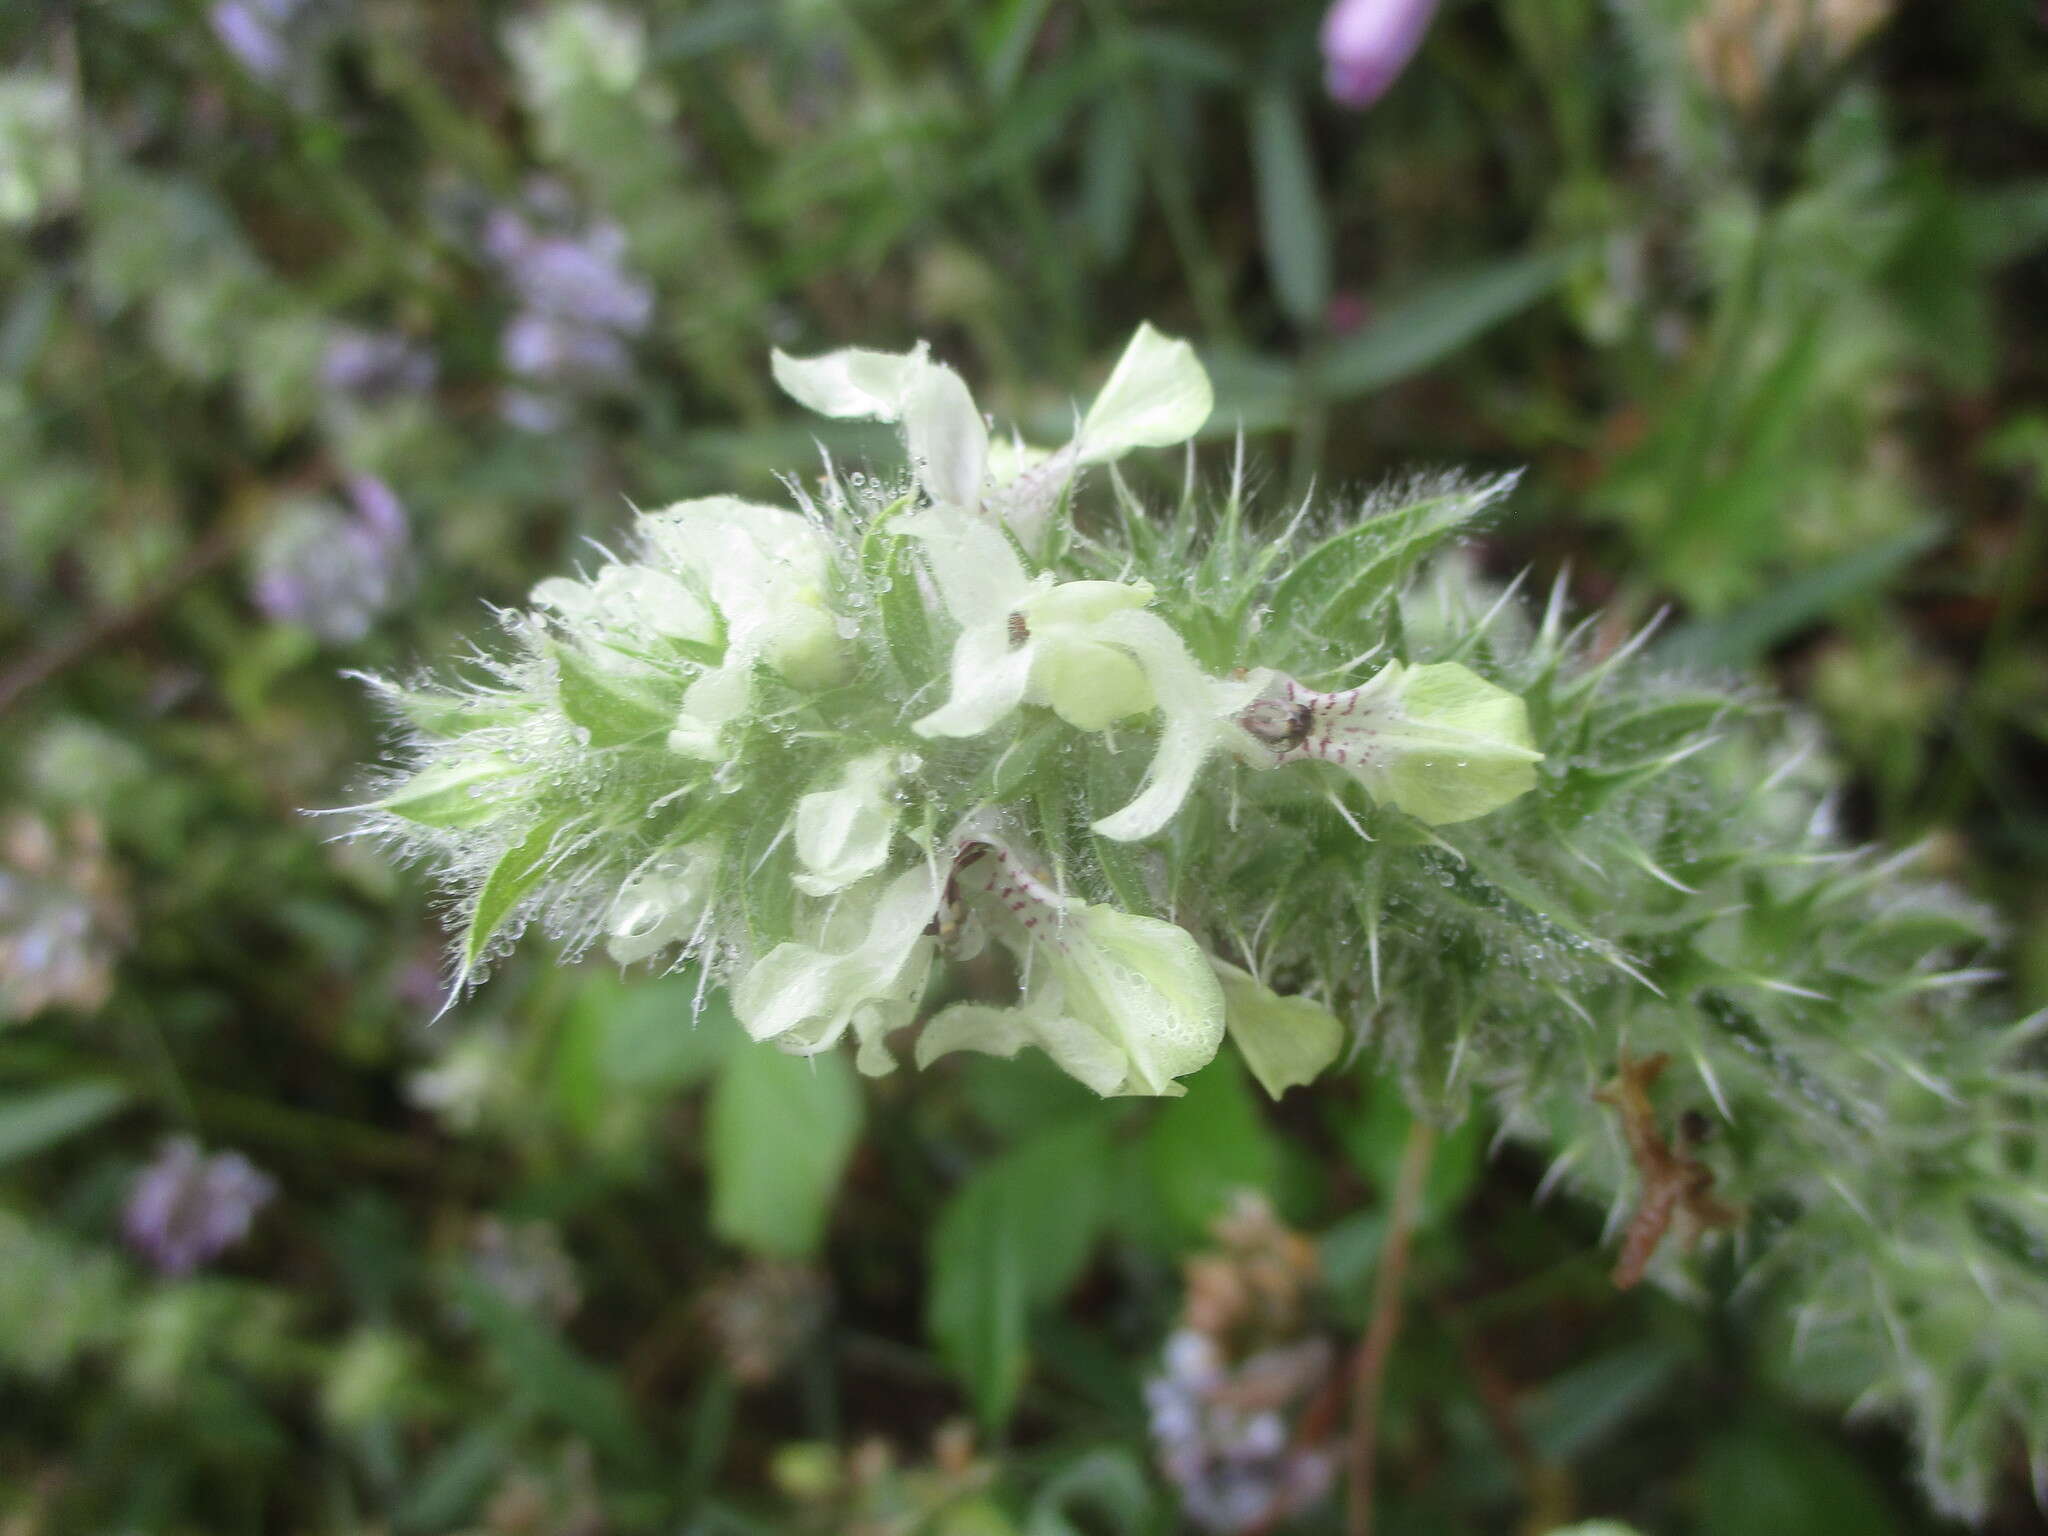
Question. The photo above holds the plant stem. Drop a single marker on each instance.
(40, 667)
(1369, 1365)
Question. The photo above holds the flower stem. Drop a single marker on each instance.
(1369, 1365)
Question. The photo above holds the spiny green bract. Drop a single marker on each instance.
(1189, 776)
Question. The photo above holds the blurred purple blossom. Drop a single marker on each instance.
(541, 346)
(259, 33)
(578, 305)
(376, 365)
(186, 1209)
(330, 569)
(567, 277)
(1223, 1435)
(1367, 43)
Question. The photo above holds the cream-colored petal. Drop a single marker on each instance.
(1157, 395)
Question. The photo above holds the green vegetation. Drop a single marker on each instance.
(1656, 1014)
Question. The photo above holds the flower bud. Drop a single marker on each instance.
(1437, 741)
(1367, 43)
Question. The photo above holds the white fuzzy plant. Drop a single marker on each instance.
(1189, 778)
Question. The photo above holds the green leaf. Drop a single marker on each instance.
(1347, 577)
(451, 795)
(456, 1481)
(779, 1133)
(1203, 1148)
(449, 715)
(1006, 35)
(1112, 178)
(1108, 1485)
(656, 1038)
(1014, 1236)
(1291, 220)
(905, 624)
(518, 870)
(1799, 603)
(1772, 1472)
(1585, 1406)
(551, 1376)
(30, 1122)
(613, 709)
(1415, 333)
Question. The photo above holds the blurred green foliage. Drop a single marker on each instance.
(1764, 318)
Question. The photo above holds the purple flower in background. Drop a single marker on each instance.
(578, 305)
(187, 1209)
(258, 32)
(330, 569)
(1224, 1437)
(376, 365)
(540, 346)
(570, 278)
(1367, 43)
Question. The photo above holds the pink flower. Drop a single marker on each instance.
(1367, 43)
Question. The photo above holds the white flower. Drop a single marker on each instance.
(1157, 395)
(662, 903)
(461, 1084)
(1085, 649)
(767, 573)
(711, 703)
(844, 833)
(867, 973)
(1125, 1004)
(1438, 741)
(623, 602)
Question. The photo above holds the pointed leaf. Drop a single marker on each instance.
(1291, 219)
(518, 871)
(1420, 331)
(612, 708)
(452, 795)
(30, 1122)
